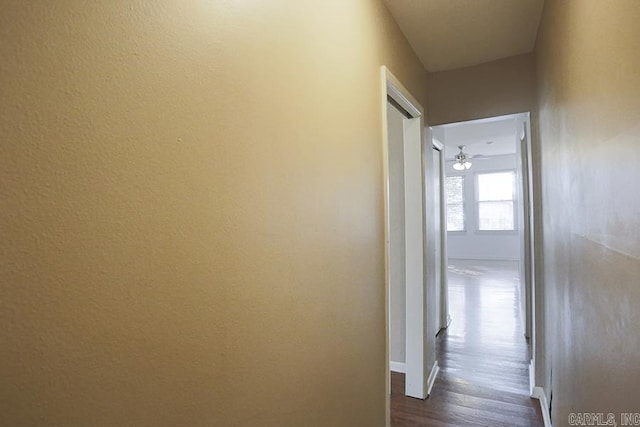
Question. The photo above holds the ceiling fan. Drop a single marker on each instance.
(462, 160)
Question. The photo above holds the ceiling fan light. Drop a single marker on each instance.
(462, 160)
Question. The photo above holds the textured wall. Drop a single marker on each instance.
(495, 88)
(589, 116)
(192, 212)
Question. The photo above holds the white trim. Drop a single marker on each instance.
(443, 302)
(485, 120)
(415, 385)
(432, 377)
(414, 252)
(530, 204)
(538, 393)
(400, 94)
(414, 228)
(532, 377)
(385, 176)
(399, 367)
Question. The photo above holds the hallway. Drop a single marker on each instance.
(483, 356)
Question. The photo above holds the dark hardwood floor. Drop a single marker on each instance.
(483, 357)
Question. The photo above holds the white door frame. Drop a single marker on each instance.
(443, 298)
(527, 237)
(532, 327)
(414, 216)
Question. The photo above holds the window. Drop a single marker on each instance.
(454, 187)
(496, 201)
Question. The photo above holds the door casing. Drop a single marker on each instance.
(415, 237)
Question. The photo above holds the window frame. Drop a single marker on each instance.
(513, 200)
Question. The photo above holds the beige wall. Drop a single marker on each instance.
(495, 88)
(192, 212)
(589, 100)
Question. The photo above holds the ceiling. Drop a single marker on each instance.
(448, 34)
(501, 134)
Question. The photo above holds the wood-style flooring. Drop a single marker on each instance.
(483, 356)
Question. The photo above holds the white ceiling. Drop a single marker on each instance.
(448, 34)
(501, 133)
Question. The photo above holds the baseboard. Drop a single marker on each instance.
(432, 377)
(400, 367)
(538, 393)
(532, 378)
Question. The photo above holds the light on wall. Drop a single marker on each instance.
(462, 160)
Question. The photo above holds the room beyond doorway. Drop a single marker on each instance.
(489, 213)
(488, 209)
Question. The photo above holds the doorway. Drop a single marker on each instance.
(488, 221)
